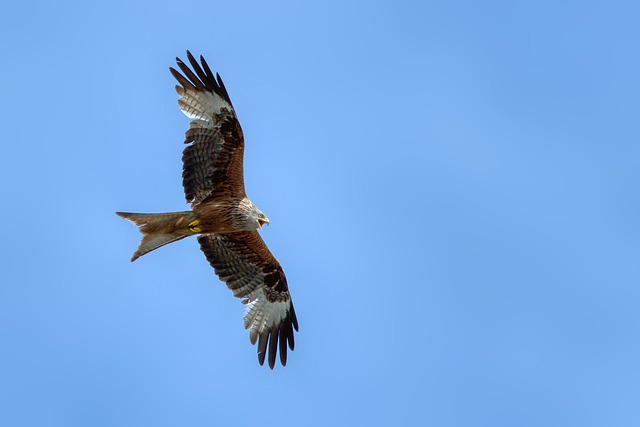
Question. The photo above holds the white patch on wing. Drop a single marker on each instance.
(261, 314)
(202, 105)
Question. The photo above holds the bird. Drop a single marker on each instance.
(222, 216)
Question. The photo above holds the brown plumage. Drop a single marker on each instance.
(222, 214)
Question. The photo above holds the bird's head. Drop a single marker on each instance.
(252, 217)
(262, 219)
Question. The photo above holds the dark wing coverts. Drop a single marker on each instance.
(244, 262)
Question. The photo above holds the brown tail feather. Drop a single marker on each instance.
(159, 229)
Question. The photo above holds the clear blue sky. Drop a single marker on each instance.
(453, 190)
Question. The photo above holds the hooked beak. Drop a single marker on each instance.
(262, 221)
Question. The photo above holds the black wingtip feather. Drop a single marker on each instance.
(223, 89)
(195, 81)
(206, 68)
(286, 330)
(208, 83)
(294, 318)
(181, 79)
(262, 346)
(273, 347)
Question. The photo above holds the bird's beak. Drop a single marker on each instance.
(262, 221)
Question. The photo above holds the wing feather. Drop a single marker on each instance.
(197, 83)
(213, 160)
(244, 262)
(202, 76)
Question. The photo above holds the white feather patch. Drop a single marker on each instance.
(202, 105)
(262, 314)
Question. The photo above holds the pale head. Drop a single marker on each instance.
(254, 217)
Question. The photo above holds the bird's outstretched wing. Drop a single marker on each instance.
(212, 163)
(244, 262)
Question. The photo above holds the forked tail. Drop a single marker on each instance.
(160, 229)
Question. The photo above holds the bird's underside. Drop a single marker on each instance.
(222, 216)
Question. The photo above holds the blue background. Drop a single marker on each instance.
(453, 191)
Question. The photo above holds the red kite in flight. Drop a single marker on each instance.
(221, 214)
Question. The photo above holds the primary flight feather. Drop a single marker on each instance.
(221, 214)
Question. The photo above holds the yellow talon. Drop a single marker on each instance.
(194, 226)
